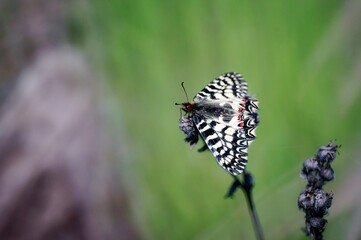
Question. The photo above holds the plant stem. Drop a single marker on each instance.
(247, 187)
(254, 216)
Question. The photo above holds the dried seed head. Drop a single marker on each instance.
(314, 201)
(310, 167)
(327, 153)
(186, 125)
(318, 223)
(310, 164)
(314, 179)
(322, 203)
(306, 200)
(327, 173)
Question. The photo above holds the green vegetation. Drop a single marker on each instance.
(300, 58)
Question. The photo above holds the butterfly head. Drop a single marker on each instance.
(188, 107)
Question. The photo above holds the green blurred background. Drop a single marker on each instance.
(301, 59)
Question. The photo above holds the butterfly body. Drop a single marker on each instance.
(225, 116)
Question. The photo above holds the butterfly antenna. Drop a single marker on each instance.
(184, 89)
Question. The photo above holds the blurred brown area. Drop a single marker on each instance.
(56, 177)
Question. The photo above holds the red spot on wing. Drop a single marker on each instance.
(241, 124)
(242, 106)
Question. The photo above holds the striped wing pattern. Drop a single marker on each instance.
(227, 86)
(226, 119)
(227, 144)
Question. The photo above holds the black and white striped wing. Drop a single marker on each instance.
(226, 120)
(227, 143)
(225, 87)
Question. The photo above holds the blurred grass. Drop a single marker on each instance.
(300, 58)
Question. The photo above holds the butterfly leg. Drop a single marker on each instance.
(192, 139)
(204, 148)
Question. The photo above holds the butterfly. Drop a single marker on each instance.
(225, 116)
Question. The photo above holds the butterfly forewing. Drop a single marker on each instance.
(227, 86)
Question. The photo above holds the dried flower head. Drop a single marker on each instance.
(187, 126)
(314, 201)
